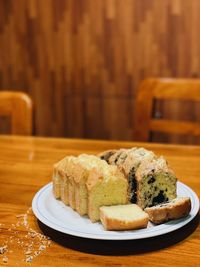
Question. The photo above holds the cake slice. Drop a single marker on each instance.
(118, 157)
(106, 186)
(68, 188)
(71, 184)
(155, 183)
(84, 165)
(174, 209)
(60, 180)
(105, 155)
(64, 196)
(56, 181)
(123, 217)
(63, 185)
(135, 157)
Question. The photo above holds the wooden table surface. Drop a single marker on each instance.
(26, 166)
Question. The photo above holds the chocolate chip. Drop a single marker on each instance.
(151, 180)
(107, 155)
(133, 185)
(159, 198)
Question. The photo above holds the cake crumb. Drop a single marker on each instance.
(3, 249)
(29, 240)
(42, 247)
(28, 252)
(29, 259)
(20, 215)
(36, 253)
(5, 259)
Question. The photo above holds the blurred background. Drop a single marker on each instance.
(81, 61)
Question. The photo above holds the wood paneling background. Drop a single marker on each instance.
(82, 60)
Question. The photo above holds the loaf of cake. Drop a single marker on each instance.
(106, 186)
(114, 177)
(86, 182)
(171, 210)
(74, 177)
(123, 217)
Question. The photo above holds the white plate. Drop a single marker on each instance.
(57, 216)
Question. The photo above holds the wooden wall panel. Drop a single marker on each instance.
(82, 61)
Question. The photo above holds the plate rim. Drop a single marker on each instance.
(122, 235)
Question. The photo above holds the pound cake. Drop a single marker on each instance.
(87, 182)
(113, 177)
(106, 186)
(123, 217)
(171, 210)
(60, 179)
(57, 169)
(80, 171)
(76, 174)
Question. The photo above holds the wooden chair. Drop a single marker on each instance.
(18, 107)
(151, 90)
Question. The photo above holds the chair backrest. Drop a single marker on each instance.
(18, 107)
(151, 90)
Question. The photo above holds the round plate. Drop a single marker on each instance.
(60, 217)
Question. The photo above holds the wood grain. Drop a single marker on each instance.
(83, 60)
(26, 165)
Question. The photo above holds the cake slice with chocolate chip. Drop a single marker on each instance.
(105, 155)
(155, 183)
(129, 166)
(118, 157)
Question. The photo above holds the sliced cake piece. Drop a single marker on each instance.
(118, 156)
(155, 183)
(63, 184)
(84, 164)
(71, 184)
(56, 180)
(60, 180)
(135, 157)
(105, 155)
(106, 186)
(174, 209)
(64, 195)
(123, 217)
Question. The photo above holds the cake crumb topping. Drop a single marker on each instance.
(3, 249)
(23, 238)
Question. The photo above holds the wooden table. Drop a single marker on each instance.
(26, 165)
